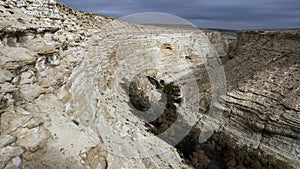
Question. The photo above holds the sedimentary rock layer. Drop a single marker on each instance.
(263, 97)
(65, 77)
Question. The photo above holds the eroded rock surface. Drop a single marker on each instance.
(65, 77)
(263, 92)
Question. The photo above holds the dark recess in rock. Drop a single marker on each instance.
(220, 151)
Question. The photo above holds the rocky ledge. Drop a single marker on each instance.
(71, 83)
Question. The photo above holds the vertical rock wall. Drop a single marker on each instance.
(263, 98)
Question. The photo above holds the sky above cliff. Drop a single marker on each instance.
(226, 14)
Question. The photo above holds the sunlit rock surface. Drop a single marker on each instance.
(65, 77)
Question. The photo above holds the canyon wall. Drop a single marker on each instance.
(65, 77)
(263, 91)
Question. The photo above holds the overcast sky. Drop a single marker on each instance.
(226, 14)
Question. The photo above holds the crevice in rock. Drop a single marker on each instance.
(142, 103)
(220, 151)
(170, 114)
(167, 46)
(138, 98)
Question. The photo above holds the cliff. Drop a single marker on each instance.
(76, 87)
(263, 96)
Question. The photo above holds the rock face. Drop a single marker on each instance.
(66, 81)
(263, 96)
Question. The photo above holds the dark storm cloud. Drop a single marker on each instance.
(230, 14)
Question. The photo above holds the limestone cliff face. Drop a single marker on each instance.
(64, 76)
(263, 97)
(47, 87)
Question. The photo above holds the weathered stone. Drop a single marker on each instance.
(12, 121)
(32, 139)
(26, 37)
(7, 87)
(14, 58)
(8, 153)
(263, 90)
(6, 140)
(16, 161)
(27, 77)
(34, 122)
(58, 65)
(95, 157)
(5, 75)
(31, 91)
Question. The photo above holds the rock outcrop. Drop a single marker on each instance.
(67, 79)
(263, 97)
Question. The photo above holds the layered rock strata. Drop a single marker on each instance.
(65, 77)
(263, 96)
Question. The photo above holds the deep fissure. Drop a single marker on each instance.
(220, 151)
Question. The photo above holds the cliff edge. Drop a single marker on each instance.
(70, 82)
